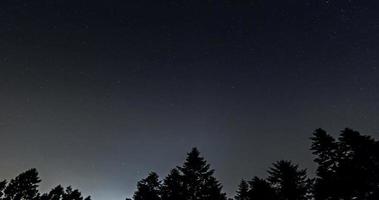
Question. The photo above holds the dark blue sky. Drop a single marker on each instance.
(98, 93)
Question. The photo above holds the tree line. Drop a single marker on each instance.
(25, 187)
(347, 169)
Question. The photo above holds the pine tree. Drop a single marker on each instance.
(148, 188)
(289, 181)
(325, 147)
(243, 191)
(347, 168)
(198, 180)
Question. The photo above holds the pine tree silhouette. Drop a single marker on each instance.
(325, 147)
(243, 191)
(347, 168)
(289, 181)
(192, 181)
(198, 180)
(148, 188)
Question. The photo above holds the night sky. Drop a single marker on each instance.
(95, 94)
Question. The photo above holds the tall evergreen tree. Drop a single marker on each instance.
(325, 147)
(359, 165)
(347, 168)
(148, 188)
(243, 191)
(198, 180)
(289, 181)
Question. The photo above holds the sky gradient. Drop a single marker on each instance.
(96, 94)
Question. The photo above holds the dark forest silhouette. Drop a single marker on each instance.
(347, 169)
(25, 187)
